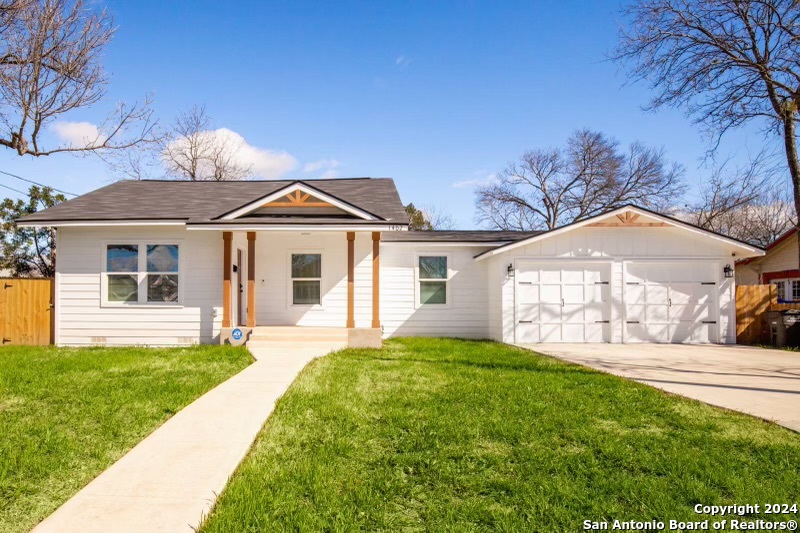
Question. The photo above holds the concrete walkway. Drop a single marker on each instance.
(170, 480)
(761, 382)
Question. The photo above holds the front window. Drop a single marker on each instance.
(432, 279)
(306, 279)
(142, 273)
(787, 290)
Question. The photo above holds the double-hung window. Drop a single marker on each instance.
(306, 279)
(142, 273)
(432, 277)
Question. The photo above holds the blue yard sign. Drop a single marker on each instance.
(236, 334)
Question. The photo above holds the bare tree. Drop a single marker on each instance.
(548, 188)
(727, 62)
(743, 202)
(50, 52)
(193, 150)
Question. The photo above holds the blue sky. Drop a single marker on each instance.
(438, 95)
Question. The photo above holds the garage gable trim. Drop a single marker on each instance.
(663, 221)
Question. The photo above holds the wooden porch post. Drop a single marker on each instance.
(251, 279)
(351, 278)
(227, 245)
(376, 279)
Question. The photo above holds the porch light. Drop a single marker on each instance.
(510, 270)
(728, 270)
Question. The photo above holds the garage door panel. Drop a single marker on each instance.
(594, 312)
(597, 293)
(528, 293)
(635, 294)
(595, 275)
(656, 314)
(550, 312)
(657, 294)
(529, 312)
(574, 294)
(550, 276)
(527, 275)
(527, 332)
(573, 313)
(550, 293)
(681, 293)
(636, 313)
(596, 332)
(572, 275)
(682, 332)
(573, 331)
(550, 332)
(637, 272)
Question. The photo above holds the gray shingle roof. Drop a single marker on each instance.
(487, 236)
(204, 201)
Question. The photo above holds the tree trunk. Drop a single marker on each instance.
(790, 145)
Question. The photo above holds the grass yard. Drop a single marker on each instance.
(450, 435)
(67, 414)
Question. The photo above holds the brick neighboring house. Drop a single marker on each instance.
(779, 266)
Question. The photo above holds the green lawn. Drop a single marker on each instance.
(67, 414)
(450, 435)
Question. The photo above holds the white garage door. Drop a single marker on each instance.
(670, 302)
(563, 303)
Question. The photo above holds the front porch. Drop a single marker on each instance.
(316, 287)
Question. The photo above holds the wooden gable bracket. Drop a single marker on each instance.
(297, 199)
(627, 220)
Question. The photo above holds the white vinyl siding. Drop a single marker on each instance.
(274, 282)
(83, 319)
(465, 315)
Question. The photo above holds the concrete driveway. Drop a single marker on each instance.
(757, 381)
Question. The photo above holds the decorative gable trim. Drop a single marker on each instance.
(297, 199)
(628, 219)
(627, 216)
(298, 192)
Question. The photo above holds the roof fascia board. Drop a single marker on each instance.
(472, 244)
(296, 227)
(95, 223)
(344, 206)
(586, 222)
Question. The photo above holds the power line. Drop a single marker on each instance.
(35, 183)
(13, 189)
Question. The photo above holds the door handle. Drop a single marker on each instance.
(669, 302)
(562, 302)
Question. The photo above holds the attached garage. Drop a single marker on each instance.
(630, 275)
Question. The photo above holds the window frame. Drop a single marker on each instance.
(788, 295)
(141, 274)
(447, 281)
(291, 279)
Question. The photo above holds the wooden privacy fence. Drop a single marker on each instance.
(752, 304)
(26, 311)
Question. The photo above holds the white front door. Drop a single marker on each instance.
(562, 302)
(670, 302)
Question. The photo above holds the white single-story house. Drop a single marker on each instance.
(180, 262)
